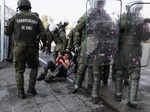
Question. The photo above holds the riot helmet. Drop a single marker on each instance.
(99, 3)
(66, 23)
(81, 19)
(23, 4)
(36, 14)
(134, 7)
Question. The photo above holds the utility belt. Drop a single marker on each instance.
(24, 43)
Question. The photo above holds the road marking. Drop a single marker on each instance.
(43, 61)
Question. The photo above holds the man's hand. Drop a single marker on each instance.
(76, 49)
(61, 61)
(67, 49)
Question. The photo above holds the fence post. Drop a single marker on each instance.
(2, 29)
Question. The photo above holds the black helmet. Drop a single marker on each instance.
(23, 3)
(36, 14)
(66, 23)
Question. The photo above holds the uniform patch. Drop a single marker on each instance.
(26, 21)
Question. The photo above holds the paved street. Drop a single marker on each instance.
(144, 89)
(54, 97)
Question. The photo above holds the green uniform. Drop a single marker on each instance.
(60, 40)
(70, 44)
(80, 44)
(127, 62)
(49, 39)
(101, 44)
(10, 49)
(26, 27)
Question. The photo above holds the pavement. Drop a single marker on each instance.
(53, 97)
(56, 97)
(107, 93)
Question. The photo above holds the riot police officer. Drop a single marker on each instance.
(59, 37)
(99, 45)
(25, 26)
(79, 46)
(70, 43)
(127, 62)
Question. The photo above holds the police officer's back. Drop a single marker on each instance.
(25, 26)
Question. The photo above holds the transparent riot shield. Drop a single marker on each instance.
(136, 29)
(102, 32)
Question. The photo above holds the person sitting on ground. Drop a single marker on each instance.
(63, 62)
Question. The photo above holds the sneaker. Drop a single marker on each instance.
(76, 89)
(49, 79)
(21, 94)
(41, 77)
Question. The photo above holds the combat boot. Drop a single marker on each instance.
(21, 94)
(96, 88)
(118, 90)
(76, 89)
(32, 92)
(133, 89)
(32, 82)
(78, 83)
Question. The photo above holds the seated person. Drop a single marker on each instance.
(57, 70)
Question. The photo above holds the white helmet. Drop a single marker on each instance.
(99, 3)
(134, 6)
(53, 27)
